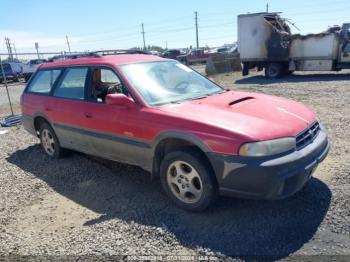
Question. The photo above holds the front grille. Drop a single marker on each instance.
(307, 136)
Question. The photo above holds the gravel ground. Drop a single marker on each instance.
(85, 206)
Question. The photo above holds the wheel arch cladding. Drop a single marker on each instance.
(39, 119)
(172, 141)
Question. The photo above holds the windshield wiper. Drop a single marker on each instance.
(199, 97)
(206, 95)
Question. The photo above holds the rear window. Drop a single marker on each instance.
(43, 81)
(175, 52)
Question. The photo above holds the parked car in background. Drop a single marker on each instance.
(219, 50)
(171, 53)
(154, 52)
(233, 50)
(12, 71)
(197, 55)
(201, 140)
(30, 68)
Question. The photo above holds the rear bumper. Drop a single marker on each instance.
(7, 77)
(269, 178)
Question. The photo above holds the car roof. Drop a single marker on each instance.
(120, 59)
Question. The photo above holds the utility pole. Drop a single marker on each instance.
(166, 45)
(68, 44)
(196, 24)
(143, 36)
(37, 49)
(14, 49)
(9, 49)
(267, 7)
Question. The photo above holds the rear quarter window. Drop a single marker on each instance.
(43, 81)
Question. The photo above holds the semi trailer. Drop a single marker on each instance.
(265, 41)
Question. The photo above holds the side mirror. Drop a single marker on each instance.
(120, 100)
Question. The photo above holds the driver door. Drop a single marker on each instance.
(111, 127)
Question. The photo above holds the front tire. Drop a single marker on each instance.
(274, 70)
(49, 141)
(188, 180)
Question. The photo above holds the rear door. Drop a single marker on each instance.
(36, 99)
(69, 108)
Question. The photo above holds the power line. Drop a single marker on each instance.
(156, 29)
(154, 25)
(345, 9)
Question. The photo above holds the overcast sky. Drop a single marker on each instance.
(114, 24)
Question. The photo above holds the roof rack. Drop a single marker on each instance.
(99, 53)
(120, 52)
(72, 56)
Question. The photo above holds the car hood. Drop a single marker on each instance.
(257, 116)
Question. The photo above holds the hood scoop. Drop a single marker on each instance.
(240, 100)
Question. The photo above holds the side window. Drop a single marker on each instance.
(73, 83)
(43, 81)
(109, 77)
(104, 81)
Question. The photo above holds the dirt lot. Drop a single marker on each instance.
(81, 205)
(15, 91)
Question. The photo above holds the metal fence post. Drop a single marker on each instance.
(6, 86)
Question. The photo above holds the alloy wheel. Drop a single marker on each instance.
(184, 182)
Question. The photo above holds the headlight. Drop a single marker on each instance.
(268, 148)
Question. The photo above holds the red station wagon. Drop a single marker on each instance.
(201, 140)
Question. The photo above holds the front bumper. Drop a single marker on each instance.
(268, 177)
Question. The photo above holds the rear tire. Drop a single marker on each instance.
(26, 78)
(49, 141)
(188, 180)
(274, 70)
(289, 72)
(16, 78)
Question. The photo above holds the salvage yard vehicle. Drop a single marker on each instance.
(171, 53)
(198, 55)
(201, 140)
(265, 41)
(30, 68)
(12, 71)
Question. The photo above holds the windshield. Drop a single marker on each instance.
(7, 68)
(168, 82)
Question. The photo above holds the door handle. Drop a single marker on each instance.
(48, 109)
(88, 115)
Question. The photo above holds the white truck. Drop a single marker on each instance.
(30, 68)
(265, 42)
